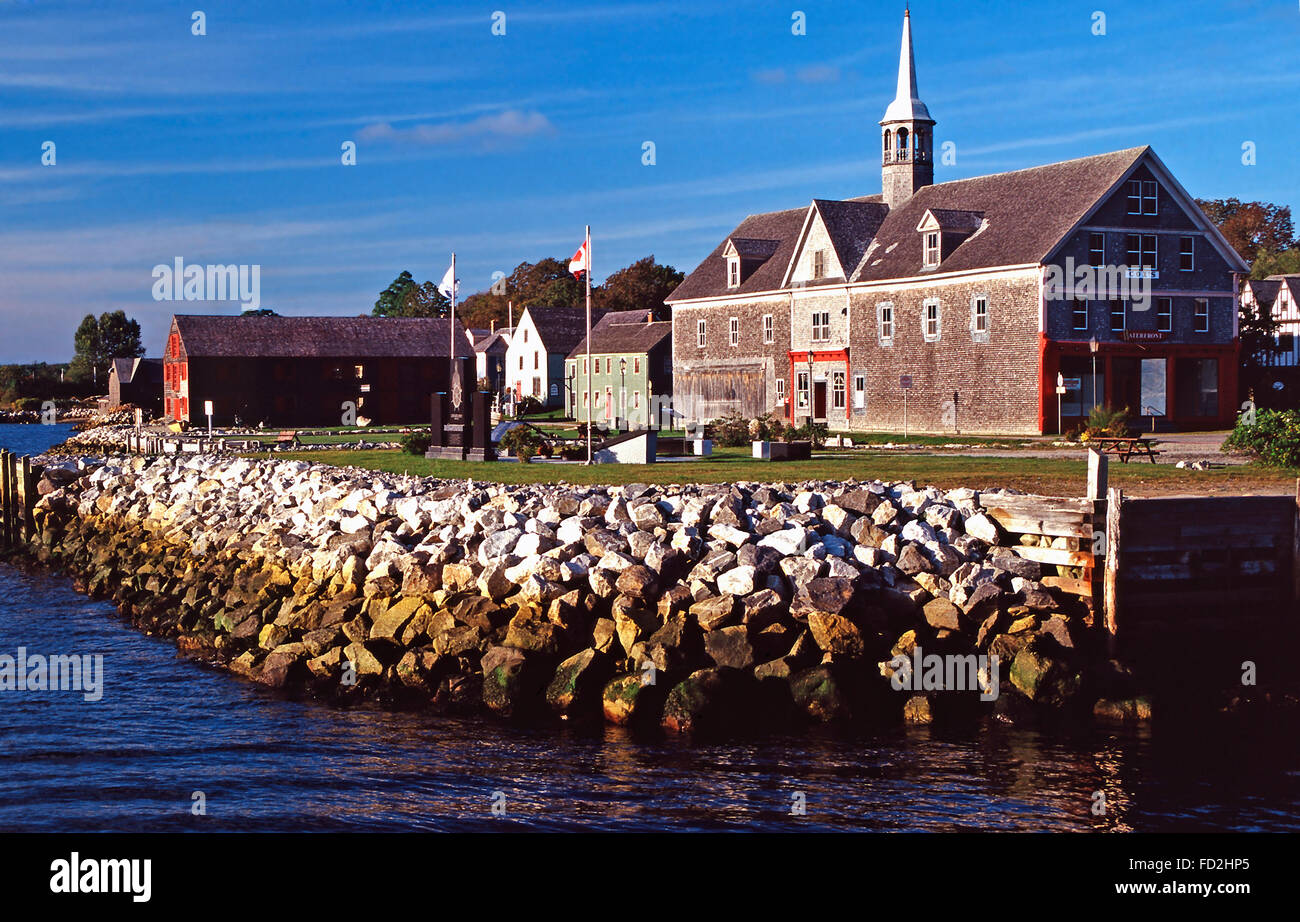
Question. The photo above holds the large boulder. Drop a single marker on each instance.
(578, 683)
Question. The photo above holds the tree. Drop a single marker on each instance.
(98, 341)
(642, 286)
(1286, 262)
(1252, 227)
(405, 298)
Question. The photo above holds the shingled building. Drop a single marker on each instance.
(306, 371)
(933, 305)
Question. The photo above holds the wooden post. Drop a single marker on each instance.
(1114, 506)
(1098, 478)
(30, 477)
(1295, 547)
(4, 499)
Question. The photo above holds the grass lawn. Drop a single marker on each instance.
(1058, 477)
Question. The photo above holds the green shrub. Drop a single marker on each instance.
(530, 406)
(29, 404)
(817, 433)
(416, 443)
(731, 431)
(523, 442)
(1271, 436)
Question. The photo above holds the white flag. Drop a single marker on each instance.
(448, 281)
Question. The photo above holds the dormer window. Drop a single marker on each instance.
(733, 272)
(931, 249)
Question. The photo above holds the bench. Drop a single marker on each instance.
(287, 437)
(1127, 447)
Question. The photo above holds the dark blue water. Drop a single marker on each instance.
(167, 728)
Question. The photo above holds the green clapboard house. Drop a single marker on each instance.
(631, 373)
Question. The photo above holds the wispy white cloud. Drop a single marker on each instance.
(512, 124)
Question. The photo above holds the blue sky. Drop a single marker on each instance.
(225, 148)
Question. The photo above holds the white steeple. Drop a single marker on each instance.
(907, 105)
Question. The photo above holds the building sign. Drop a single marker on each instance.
(905, 382)
(1072, 384)
(1142, 273)
(1144, 336)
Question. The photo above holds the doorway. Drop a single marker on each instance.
(819, 400)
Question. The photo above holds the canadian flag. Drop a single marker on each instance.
(581, 261)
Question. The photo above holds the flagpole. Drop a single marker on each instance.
(589, 389)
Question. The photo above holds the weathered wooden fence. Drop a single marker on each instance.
(18, 496)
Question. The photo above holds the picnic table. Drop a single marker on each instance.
(1125, 447)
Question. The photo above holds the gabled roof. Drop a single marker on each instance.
(495, 343)
(852, 225)
(615, 333)
(753, 248)
(952, 220)
(1264, 290)
(710, 278)
(318, 337)
(562, 328)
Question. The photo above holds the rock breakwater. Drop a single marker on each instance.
(691, 608)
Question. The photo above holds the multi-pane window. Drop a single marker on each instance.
(821, 326)
(1079, 314)
(979, 316)
(1097, 249)
(819, 264)
(859, 392)
(769, 333)
(734, 328)
(932, 248)
(780, 390)
(733, 273)
(1202, 315)
(636, 365)
(1187, 254)
(885, 318)
(930, 320)
(1142, 196)
(699, 333)
(597, 366)
(838, 393)
(1164, 314)
(801, 389)
(1117, 315)
(1141, 251)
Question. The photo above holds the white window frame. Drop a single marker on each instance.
(733, 330)
(1140, 193)
(733, 272)
(932, 243)
(1142, 252)
(885, 323)
(700, 328)
(1202, 315)
(1096, 257)
(977, 334)
(1164, 318)
(769, 329)
(780, 389)
(803, 389)
(1123, 314)
(839, 390)
(1080, 306)
(859, 391)
(824, 328)
(926, 334)
(1187, 248)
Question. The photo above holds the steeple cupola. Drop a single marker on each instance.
(907, 133)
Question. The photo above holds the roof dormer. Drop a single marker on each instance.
(942, 230)
(744, 255)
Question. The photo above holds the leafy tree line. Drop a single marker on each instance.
(545, 283)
